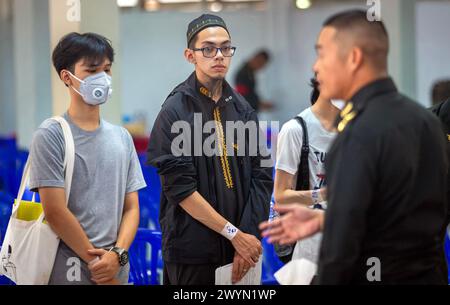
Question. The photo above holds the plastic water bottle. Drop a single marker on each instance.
(281, 250)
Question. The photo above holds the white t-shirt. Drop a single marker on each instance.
(289, 147)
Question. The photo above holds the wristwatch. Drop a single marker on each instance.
(122, 254)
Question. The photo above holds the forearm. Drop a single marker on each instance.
(291, 196)
(128, 228)
(321, 219)
(285, 192)
(196, 206)
(67, 227)
(300, 197)
(248, 246)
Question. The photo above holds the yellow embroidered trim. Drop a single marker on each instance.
(223, 149)
(347, 115)
(205, 92)
(347, 109)
(448, 137)
(220, 143)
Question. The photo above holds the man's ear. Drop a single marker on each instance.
(189, 55)
(65, 77)
(356, 59)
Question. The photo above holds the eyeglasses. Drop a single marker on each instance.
(211, 52)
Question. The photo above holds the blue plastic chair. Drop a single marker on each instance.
(6, 202)
(145, 263)
(7, 170)
(447, 254)
(149, 211)
(12, 163)
(149, 198)
(6, 197)
(271, 264)
(150, 174)
(8, 142)
(4, 281)
(20, 160)
(7, 152)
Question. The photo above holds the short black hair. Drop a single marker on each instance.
(73, 47)
(440, 91)
(315, 93)
(371, 36)
(264, 54)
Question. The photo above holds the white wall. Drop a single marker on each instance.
(148, 74)
(433, 46)
(302, 28)
(25, 96)
(152, 49)
(153, 62)
(32, 67)
(7, 109)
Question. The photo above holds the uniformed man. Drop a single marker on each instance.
(211, 204)
(387, 205)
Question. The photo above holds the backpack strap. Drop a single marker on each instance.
(303, 168)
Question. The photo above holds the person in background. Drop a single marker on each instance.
(301, 178)
(440, 92)
(246, 83)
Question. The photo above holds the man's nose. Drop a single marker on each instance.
(315, 68)
(219, 54)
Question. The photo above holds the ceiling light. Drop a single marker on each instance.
(127, 3)
(303, 4)
(216, 7)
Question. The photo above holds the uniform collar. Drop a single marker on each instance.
(373, 89)
(360, 100)
(191, 88)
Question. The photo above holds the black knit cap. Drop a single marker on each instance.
(204, 21)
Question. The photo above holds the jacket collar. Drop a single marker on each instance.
(193, 88)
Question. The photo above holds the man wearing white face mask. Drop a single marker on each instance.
(99, 224)
(303, 143)
(95, 89)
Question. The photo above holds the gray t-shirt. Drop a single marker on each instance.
(106, 169)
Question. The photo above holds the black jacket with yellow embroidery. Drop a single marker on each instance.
(237, 186)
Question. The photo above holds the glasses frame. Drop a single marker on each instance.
(233, 51)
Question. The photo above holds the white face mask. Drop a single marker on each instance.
(95, 89)
(339, 104)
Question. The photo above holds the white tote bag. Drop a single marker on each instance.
(29, 248)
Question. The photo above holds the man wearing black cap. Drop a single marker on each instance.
(387, 170)
(211, 204)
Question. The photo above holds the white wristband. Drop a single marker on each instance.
(229, 231)
(316, 196)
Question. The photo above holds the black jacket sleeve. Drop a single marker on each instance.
(261, 186)
(177, 172)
